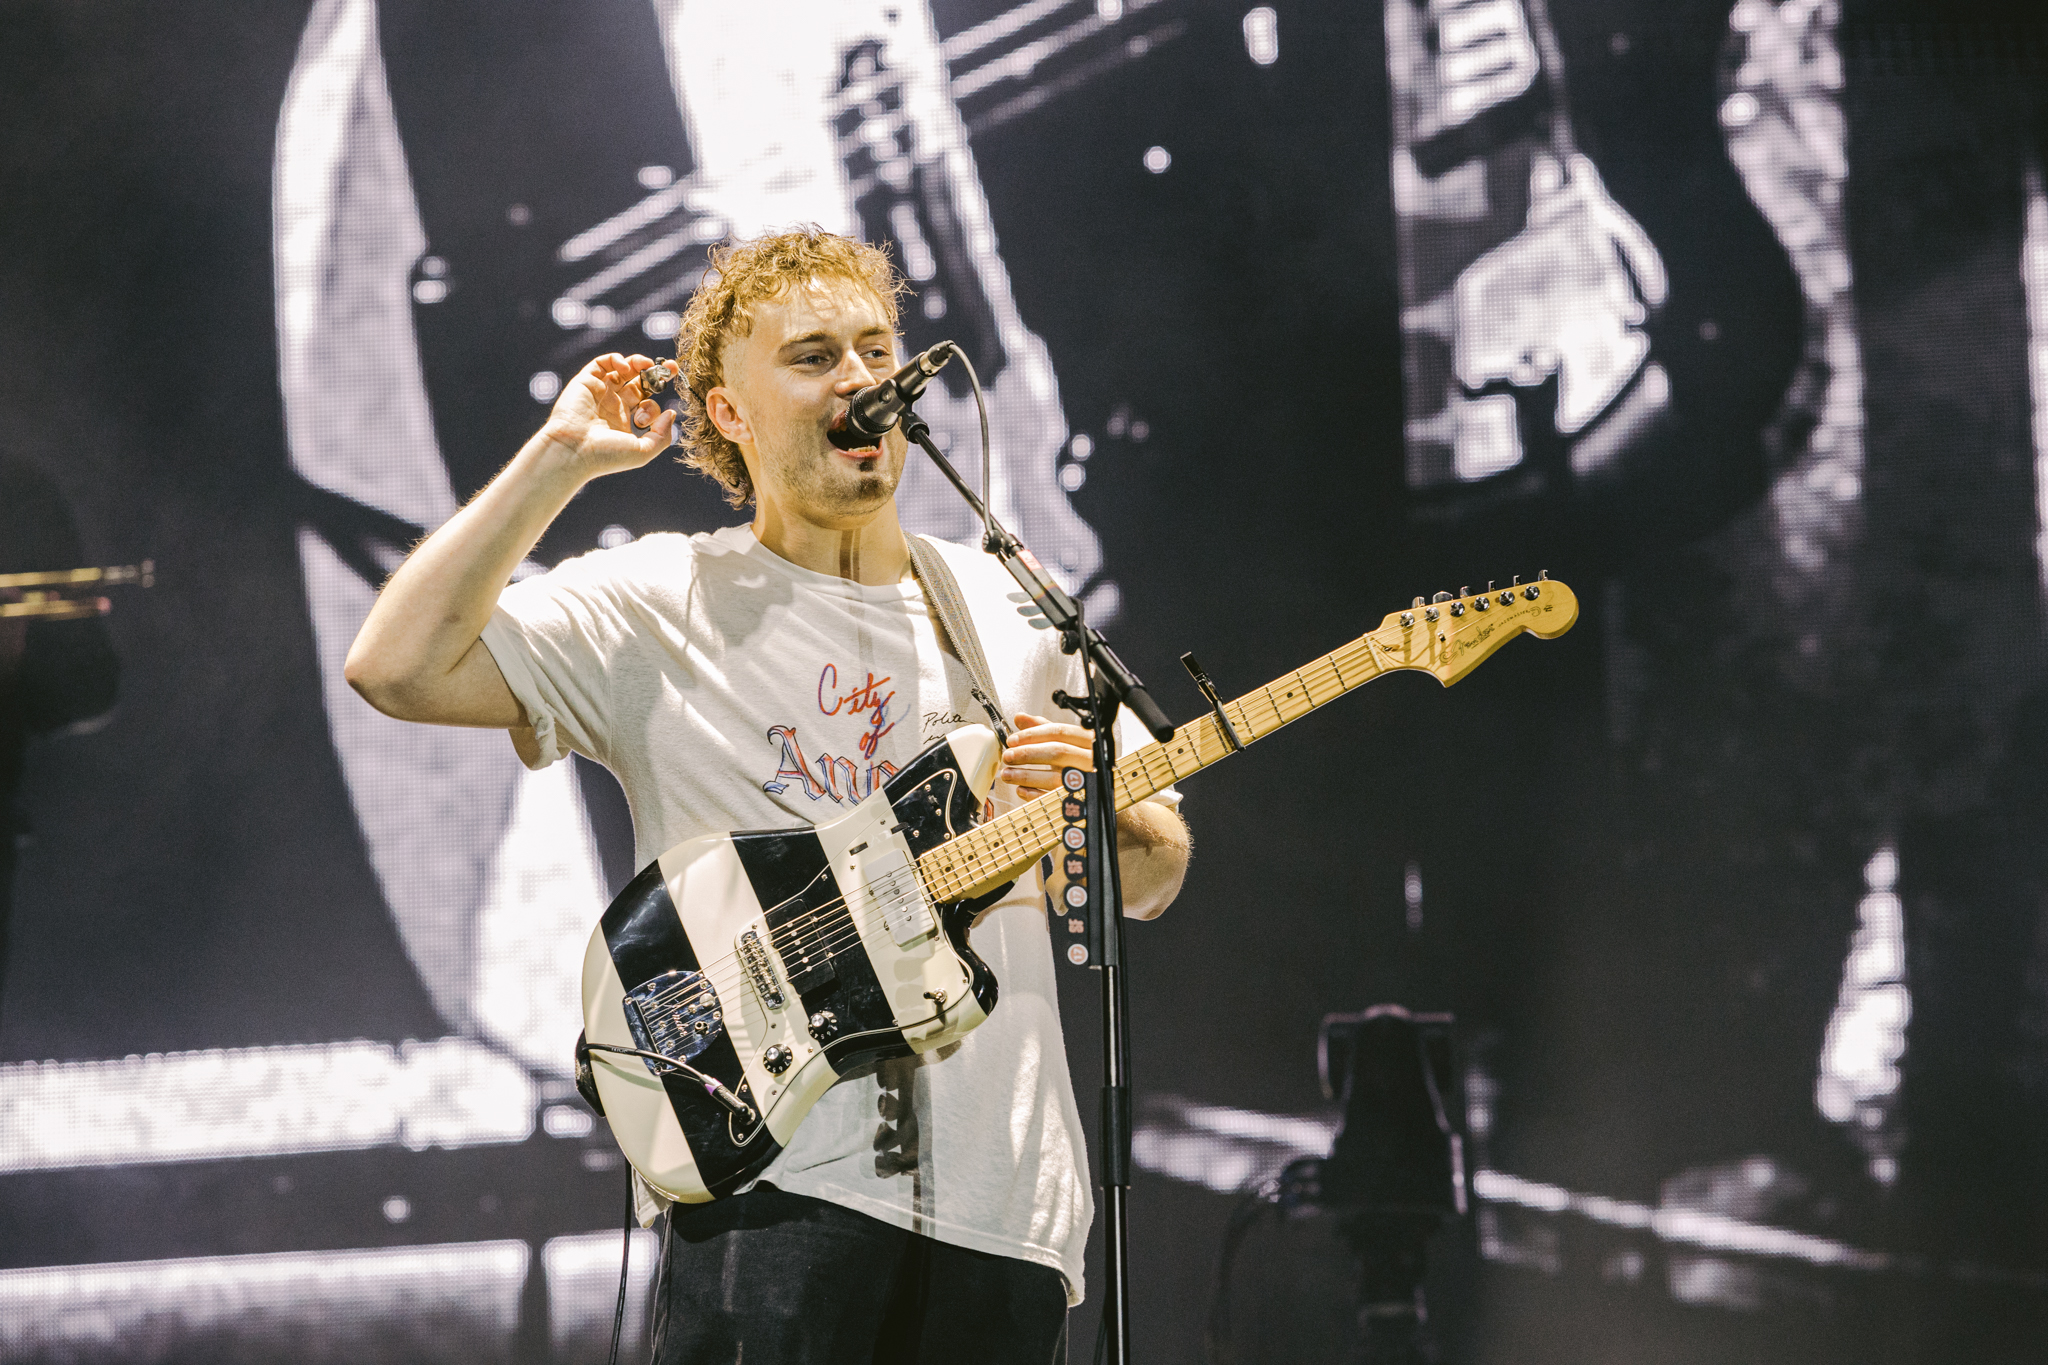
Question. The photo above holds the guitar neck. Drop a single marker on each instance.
(1006, 846)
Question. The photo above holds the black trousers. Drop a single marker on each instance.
(773, 1278)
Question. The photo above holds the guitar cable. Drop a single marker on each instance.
(625, 1263)
(712, 1085)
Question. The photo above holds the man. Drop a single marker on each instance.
(760, 676)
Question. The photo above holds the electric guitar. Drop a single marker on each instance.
(740, 975)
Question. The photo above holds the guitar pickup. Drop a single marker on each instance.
(895, 890)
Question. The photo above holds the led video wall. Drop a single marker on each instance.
(1734, 317)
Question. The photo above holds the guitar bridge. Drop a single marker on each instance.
(760, 971)
(675, 1014)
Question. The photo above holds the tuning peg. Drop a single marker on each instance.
(1542, 574)
(1441, 597)
(1417, 602)
(1464, 590)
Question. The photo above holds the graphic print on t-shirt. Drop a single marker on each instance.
(846, 779)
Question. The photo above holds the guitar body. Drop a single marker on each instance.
(777, 961)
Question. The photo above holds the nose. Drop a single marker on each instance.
(851, 374)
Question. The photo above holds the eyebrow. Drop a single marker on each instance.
(812, 338)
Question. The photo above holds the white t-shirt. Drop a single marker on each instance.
(728, 688)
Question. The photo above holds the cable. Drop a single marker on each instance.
(988, 535)
(625, 1261)
(1216, 1331)
(712, 1085)
(661, 1279)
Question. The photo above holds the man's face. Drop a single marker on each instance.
(787, 379)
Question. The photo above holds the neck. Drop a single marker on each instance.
(869, 551)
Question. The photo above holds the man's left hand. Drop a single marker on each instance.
(1040, 749)
(1152, 839)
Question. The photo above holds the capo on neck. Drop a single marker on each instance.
(1215, 702)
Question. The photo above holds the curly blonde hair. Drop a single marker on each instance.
(741, 275)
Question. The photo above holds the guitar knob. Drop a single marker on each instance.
(824, 1025)
(1483, 603)
(1407, 618)
(1457, 608)
(1507, 599)
(776, 1059)
(1530, 592)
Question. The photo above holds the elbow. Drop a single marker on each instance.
(379, 686)
(1164, 870)
(1154, 863)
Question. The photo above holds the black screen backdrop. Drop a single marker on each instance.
(1732, 319)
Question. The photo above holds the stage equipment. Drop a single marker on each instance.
(1395, 1175)
(48, 596)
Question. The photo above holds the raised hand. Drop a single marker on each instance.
(602, 420)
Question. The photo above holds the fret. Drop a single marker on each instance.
(1320, 666)
(1173, 772)
(1241, 721)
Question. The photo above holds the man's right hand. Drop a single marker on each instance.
(602, 424)
(420, 655)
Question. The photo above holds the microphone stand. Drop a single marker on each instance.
(1111, 686)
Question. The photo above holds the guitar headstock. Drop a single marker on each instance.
(1451, 636)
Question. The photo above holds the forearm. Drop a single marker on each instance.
(429, 616)
(1153, 846)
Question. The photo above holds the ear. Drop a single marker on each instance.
(725, 415)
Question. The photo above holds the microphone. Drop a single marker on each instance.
(875, 410)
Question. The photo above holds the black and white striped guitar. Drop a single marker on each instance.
(739, 976)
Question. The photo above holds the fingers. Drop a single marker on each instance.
(1035, 729)
(1040, 749)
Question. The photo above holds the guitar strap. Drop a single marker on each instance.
(949, 609)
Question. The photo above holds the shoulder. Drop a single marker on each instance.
(659, 560)
(982, 577)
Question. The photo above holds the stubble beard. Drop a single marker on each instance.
(820, 481)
